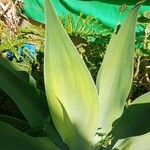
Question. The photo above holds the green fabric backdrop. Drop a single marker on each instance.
(107, 11)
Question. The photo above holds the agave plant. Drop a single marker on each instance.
(76, 114)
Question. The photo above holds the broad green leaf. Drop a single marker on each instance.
(135, 119)
(29, 99)
(141, 142)
(115, 75)
(18, 124)
(71, 93)
(12, 139)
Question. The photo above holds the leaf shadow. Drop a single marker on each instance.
(134, 121)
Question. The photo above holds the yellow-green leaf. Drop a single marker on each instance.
(115, 75)
(71, 93)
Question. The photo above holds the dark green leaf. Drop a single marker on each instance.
(29, 99)
(12, 139)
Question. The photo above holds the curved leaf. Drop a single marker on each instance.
(135, 143)
(71, 93)
(12, 139)
(135, 119)
(30, 100)
(19, 124)
(143, 99)
(115, 75)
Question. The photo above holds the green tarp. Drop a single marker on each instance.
(107, 11)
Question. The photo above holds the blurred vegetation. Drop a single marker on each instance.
(90, 37)
(141, 80)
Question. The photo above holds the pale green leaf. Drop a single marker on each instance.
(30, 100)
(145, 98)
(115, 75)
(12, 139)
(71, 93)
(141, 142)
